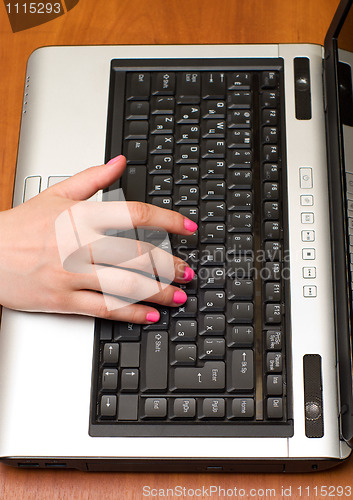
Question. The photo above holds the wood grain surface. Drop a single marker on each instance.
(154, 22)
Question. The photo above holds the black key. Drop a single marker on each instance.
(270, 135)
(136, 151)
(271, 172)
(241, 99)
(109, 379)
(274, 340)
(191, 288)
(212, 348)
(239, 200)
(162, 105)
(187, 154)
(243, 408)
(126, 331)
(274, 362)
(271, 210)
(188, 114)
(111, 354)
(184, 330)
(274, 408)
(273, 250)
(213, 169)
(270, 153)
(134, 183)
(188, 88)
(239, 335)
(240, 222)
(187, 174)
(274, 385)
(213, 190)
(213, 85)
(213, 148)
(272, 230)
(186, 195)
(138, 110)
(213, 109)
(188, 242)
(239, 179)
(162, 164)
(213, 129)
(272, 292)
(269, 99)
(269, 117)
(137, 129)
(272, 271)
(161, 124)
(160, 184)
(155, 361)
(241, 370)
(241, 267)
(163, 83)
(163, 322)
(162, 202)
(213, 211)
(212, 255)
(240, 289)
(191, 213)
(162, 144)
(212, 277)
(269, 79)
(239, 243)
(188, 134)
(213, 408)
(129, 355)
(129, 379)
(212, 233)
(239, 158)
(271, 191)
(187, 310)
(212, 324)
(240, 312)
(155, 408)
(185, 354)
(184, 408)
(106, 329)
(212, 300)
(239, 138)
(273, 313)
(138, 86)
(128, 407)
(108, 406)
(240, 80)
(239, 118)
(210, 377)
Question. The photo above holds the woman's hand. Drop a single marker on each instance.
(55, 256)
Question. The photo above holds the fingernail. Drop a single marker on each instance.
(179, 297)
(188, 274)
(113, 160)
(152, 317)
(190, 225)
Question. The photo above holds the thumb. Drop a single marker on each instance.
(86, 183)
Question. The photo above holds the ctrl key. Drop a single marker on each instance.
(108, 406)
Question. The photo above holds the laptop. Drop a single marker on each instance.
(254, 371)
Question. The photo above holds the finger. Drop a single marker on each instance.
(94, 304)
(86, 183)
(141, 256)
(130, 286)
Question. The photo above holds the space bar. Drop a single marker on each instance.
(134, 183)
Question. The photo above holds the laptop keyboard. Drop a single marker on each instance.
(207, 142)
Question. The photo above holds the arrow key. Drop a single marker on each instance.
(111, 354)
(129, 380)
(108, 406)
(110, 379)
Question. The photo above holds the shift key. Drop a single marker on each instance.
(154, 361)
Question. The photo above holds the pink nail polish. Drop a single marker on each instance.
(190, 225)
(113, 160)
(179, 297)
(153, 317)
(188, 274)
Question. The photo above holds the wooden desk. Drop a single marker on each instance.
(151, 22)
